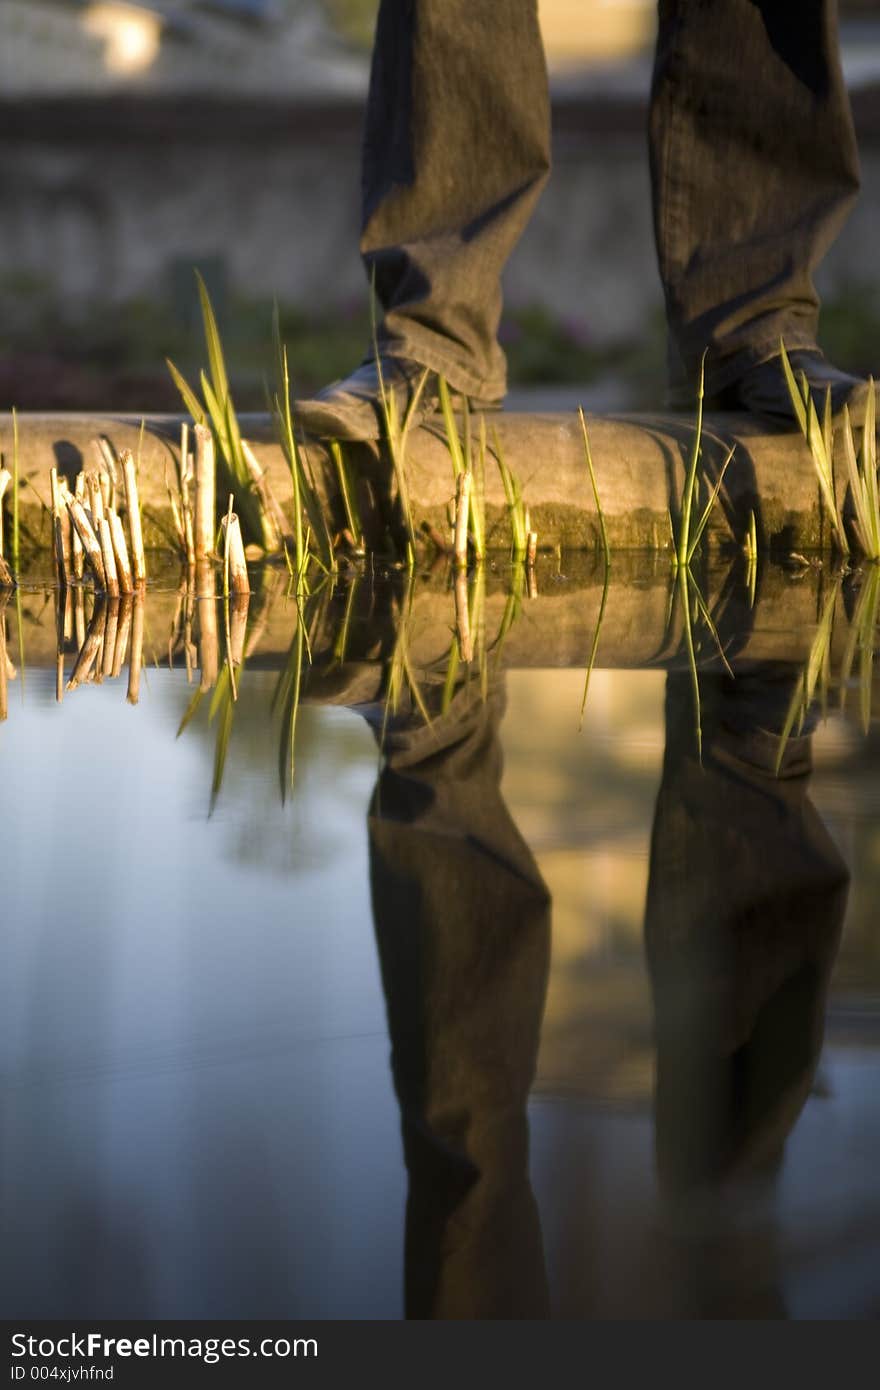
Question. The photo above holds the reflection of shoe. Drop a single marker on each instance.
(763, 390)
(352, 408)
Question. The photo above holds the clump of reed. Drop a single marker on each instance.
(104, 633)
(686, 538)
(860, 464)
(520, 525)
(88, 533)
(820, 441)
(862, 472)
(470, 480)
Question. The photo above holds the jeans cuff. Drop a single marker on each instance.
(432, 350)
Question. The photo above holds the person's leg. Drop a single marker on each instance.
(456, 152)
(754, 167)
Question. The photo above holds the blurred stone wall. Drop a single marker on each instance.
(111, 200)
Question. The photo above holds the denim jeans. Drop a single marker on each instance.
(753, 164)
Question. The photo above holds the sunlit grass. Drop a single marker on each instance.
(820, 441)
(815, 676)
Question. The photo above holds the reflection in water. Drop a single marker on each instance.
(746, 900)
(745, 903)
(463, 928)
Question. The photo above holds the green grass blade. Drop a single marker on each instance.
(594, 649)
(863, 526)
(606, 548)
(794, 392)
(684, 599)
(190, 711)
(453, 443)
(219, 379)
(691, 475)
(710, 506)
(703, 611)
(190, 399)
(224, 734)
(351, 516)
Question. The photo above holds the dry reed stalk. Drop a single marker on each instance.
(88, 652)
(6, 580)
(137, 649)
(60, 529)
(275, 523)
(5, 483)
(208, 644)
(531, 582)
(97, 672)
(532, 548)
(63, 610)
(205, 494)
(123, 632)
(186, 475)
(462, 616)
(234, 558)
(238, 616)
(106, 490)
(111, 632)
(133, 507)
(188, 538)
(107, 555)
(107, 464)
(120, 551)
(89, 541)
(79, 617)
(76, 549)
(96, 500)
(463, 486)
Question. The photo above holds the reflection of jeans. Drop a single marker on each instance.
(463, 928)
(753, 161)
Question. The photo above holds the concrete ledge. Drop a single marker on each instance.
(640, 463)
(358, 624)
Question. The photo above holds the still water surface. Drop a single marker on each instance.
(522, 1019)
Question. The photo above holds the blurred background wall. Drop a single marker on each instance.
(140, 140)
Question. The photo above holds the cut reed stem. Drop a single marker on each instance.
(133, 507)
(96, 500)
(91, 546)
(235, 575)
(137, 649)
(5, 484)
(60, 530)
(76, 547)
(463, 485)
(108, 556)
(463, 618)
(120, 551)
(205, 493)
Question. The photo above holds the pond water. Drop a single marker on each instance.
(406, 986)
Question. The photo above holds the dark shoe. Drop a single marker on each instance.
(352, 408)
(763, 389)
